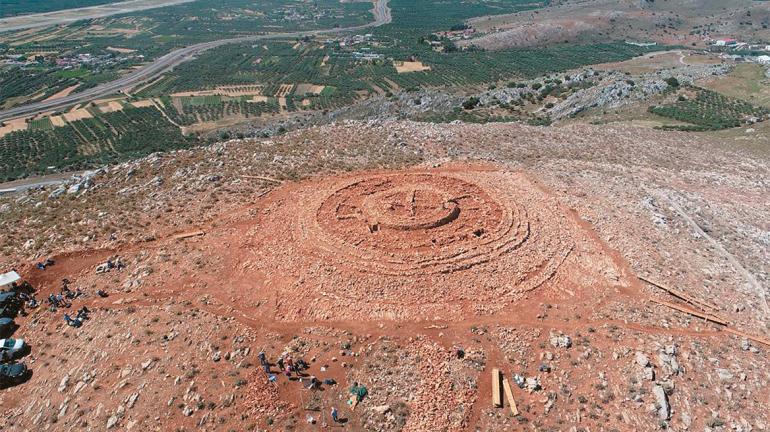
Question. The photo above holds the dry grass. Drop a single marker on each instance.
(410, 66)
(746, 81)
(13, 125)
(63, 93)
(78, 114)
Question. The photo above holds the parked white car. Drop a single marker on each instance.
(10, 348)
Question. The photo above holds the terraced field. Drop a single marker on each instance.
(110, 137)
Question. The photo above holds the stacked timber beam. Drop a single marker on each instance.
(500, 384)
(509, 396)
(497, 394)
(187, 235)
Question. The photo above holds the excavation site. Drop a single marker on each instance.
(442, 244)
(397, 277)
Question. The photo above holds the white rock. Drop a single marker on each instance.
(64, 383)
(642, 359)
(724, 374)
(132, 400)
(661, 400)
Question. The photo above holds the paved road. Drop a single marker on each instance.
(382, 16)
(33, 182)
(67, 16)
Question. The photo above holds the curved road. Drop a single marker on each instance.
(382, 16)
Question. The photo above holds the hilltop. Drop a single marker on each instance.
(225, 257)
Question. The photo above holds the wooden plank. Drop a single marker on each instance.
(680, 294)
(188, 235)
(509, 396)
(691, 311)
(497, 397)
(759, 339)
(263, 178)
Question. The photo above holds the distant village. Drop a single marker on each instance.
(737, 45)
(66, 62)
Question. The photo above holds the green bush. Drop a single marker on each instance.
(672, 82)
(471, 103)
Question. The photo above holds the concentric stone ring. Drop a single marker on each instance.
(411, 223)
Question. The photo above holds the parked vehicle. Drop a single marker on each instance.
(11, 348)
(6, 326)
(10, 303)
(13, 373)
(8, 298)
(9, 311)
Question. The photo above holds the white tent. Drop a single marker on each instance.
(8, 278)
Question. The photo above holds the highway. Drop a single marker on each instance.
(67, 16)
(382, 15)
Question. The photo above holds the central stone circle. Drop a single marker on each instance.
(409, 208)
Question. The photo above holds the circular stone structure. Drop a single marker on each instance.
(404, 224)
(403, 244)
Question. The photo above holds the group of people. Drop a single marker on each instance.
(26, 294)
(110, 265)
(67, 292)
(63, 300)
(29, 301)
(287, 365)
(56, 301)
(81, 316)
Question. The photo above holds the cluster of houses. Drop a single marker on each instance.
(455, 35)
(17, 60)
(80, 60)
(744, 46)
(356, 40)
(66, 62)
(734, 43)
(365, 54)
(362, 53)
(302, 12)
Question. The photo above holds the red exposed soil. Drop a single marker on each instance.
(440, 244)
(401, 264)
